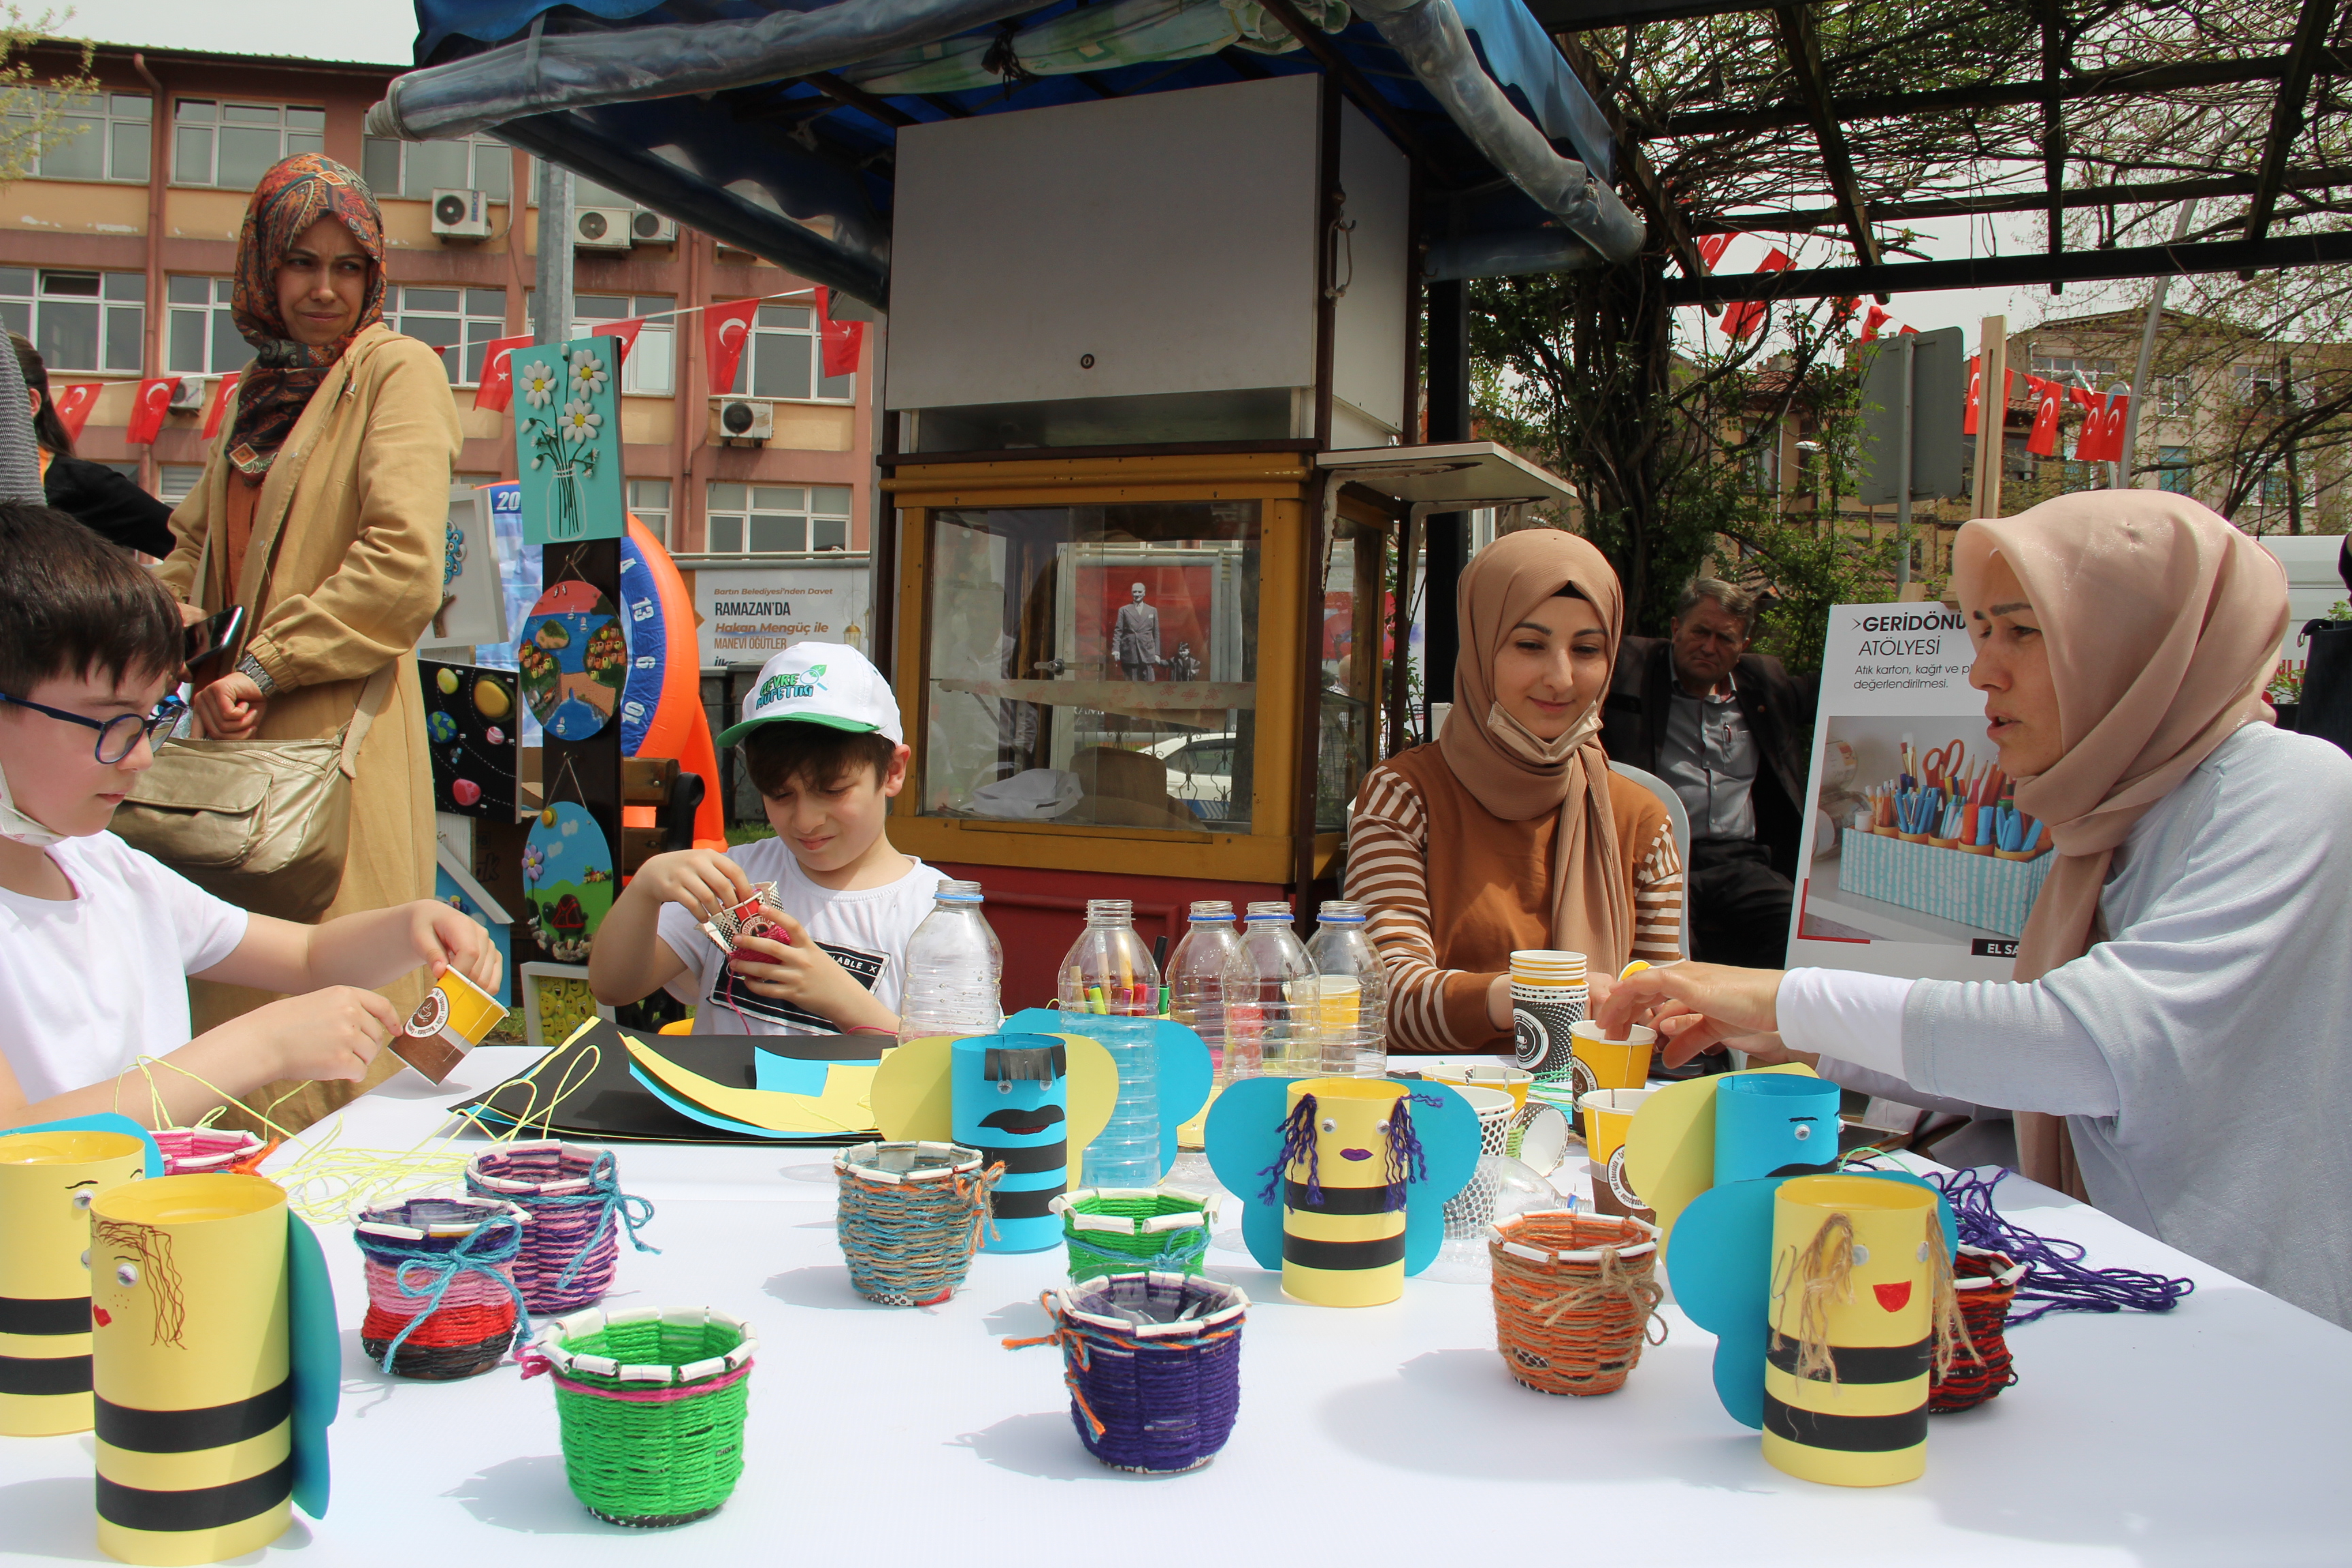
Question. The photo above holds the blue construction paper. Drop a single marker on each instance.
(101, 1122)
(1186, 1073)
(974, 1096)
(1450, 1143)
(316, 1353)
(1766, 1122)
(788, 1075)
(1242, 1139)
(687, 1108)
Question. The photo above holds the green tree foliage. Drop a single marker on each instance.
(31, 105)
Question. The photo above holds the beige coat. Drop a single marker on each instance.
(362, 485)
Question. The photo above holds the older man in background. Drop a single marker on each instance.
(1731, 731)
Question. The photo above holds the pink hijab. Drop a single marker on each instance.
(2162, 623)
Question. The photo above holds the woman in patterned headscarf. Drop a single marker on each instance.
(323, 510)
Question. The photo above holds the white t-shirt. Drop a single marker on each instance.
(91, 984)
(865, 930)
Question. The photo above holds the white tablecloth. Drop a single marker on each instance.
(2212, 1435)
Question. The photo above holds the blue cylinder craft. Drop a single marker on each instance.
(1011, 1101)
(1774, 1124)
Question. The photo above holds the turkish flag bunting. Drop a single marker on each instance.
(495, 390)
(725, 328)
(1879, 316)
(1969, 425)
(2047, 398)
(221, 389)
(626, 331)
(1746, 315)
(74, 403)
(1711, 248)
(844, 341)
(147, 410)
(2102, 440)
(2084, 396)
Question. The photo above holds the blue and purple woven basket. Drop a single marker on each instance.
(571, 1194)
(1153, 1366)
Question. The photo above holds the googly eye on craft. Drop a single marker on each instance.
(1800, 1132)
(126, 1274)
(85, 1258)
(1004, 1087)
(81, 1201)
(1923, 1252)
(1861, 1254)
(1330, 1124)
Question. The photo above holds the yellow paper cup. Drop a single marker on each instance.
(1547, 966)
(1603, 1063)
(1513, 1081)
(1607, 1114)
(451, 1020)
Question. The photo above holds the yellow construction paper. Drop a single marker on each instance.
(1670, 1148)
(841, 1108)
(912, 1093)
(1354, 1114)
(47, 1181)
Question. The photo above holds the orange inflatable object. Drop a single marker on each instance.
(677, 726)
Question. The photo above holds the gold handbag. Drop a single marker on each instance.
(262, 823)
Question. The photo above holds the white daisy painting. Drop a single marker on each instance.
(567, 443)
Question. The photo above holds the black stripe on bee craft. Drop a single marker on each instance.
(41, 1375)
(1857, 1364)
(1034, 1204)
(1027, 1160)
(1340, 1200)
(199, 1508)
(1846, 1433)
(1376, 1253)
(193, 1431)
(44, 1315)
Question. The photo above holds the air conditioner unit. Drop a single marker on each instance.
(461, 215)
(189, 395)
(652, 228)
(746, 419)
(602, 228)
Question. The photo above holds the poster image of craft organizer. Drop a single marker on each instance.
(572, 659)
(567, 873)
(469, 720)
(568, 442)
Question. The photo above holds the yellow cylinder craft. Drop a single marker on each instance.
(1853, 1318)
(188, 1289)
(1342, 1244)
(47, 1181)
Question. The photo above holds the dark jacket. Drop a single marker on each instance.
(109, 505)
(1778, 707)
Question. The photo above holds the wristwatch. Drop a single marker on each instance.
(250, 667)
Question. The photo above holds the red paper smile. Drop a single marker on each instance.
(102, 1315)
(1895, 1297)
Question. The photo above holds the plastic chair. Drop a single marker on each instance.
(1679, 820)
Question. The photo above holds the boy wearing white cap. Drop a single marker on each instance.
(822, 740)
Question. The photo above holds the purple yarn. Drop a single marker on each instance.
(1298, 1145)
(1165, 1403)
(2054, 1273)
(571, 1246)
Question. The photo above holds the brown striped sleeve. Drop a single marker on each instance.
(1430, 1009)
(1658, 897)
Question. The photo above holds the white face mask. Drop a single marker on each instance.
(15, 824)
(1529, 747)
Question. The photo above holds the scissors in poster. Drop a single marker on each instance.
(1947, 762)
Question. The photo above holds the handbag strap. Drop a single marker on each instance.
(370, 704)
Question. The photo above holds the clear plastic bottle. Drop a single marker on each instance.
(955, 968)
(1207, 974)
(1355, 994)
(1277, 1032)
(1110, 989)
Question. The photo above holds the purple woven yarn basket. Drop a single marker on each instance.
(1153, 1365)
(572, 1193)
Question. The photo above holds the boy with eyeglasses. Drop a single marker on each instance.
(97, 940)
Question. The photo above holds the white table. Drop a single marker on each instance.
(2213, 1435)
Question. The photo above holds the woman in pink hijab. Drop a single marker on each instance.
(2174, 1040)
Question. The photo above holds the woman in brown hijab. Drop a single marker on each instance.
(323, 510)
(1511, 831)
(2173, 1041)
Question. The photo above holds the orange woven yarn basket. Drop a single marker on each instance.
(1575, 1296)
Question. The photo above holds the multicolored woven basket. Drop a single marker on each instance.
(442, 1302)
(652, 1405)
(1153, 1366)
(911, 1215)
(1574, 1298)
(201, 1151)
(1119, 1230)
(572, 1193)
(1984, 1283)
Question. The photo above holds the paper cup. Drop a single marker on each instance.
(451, 1020)
(1513, 1081)
(1603, 1063)
(1547, 966)
(1607, 1115)
(1471, 1210)
(1540, 1018)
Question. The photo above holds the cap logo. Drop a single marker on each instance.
(788, 687)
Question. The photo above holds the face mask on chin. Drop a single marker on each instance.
(14, 825)
(1532, 749)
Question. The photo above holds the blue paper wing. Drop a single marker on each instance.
(1450, 1143)
(1721, 1270)
(1943, 1209)
(102, 1121)
(1185, 1075)
(1243, 1138)
(317, 1356)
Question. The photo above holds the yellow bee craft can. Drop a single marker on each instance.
(193, 1368)
(1346, 1143)
(47, 1180)
(1858, 1269)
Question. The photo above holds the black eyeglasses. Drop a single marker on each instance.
(118, 736)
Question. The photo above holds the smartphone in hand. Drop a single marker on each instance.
(208, 647)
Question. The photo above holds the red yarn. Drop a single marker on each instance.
(449, 1326)
(1975, 1379)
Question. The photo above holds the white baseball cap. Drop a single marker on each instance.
(826, 683)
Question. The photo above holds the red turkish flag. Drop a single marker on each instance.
(2048, 396)
(495, 390)
(1969, 425)
(725, 330)
(626, 331)
(844, 341)
(2102, 440)
(74, 403)
(1746, 315)
(147, 410)
(1711, 248)
(221, 389)
(1879, 316)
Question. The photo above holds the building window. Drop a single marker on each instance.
(232, 145)
(460, 322)
(2274, 487)
(175, 480)
(2173, 396)
(782, 360)
(2172, 470)
(417, 169)
(2080, 476)
(200, 336)
(649, 502)
(652, 366)
(769, 520)
(79, 321)
(99, 136)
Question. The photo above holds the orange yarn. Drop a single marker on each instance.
(1575, 1324)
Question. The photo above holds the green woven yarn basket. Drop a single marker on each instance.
(1121, 1230)
(652, 1407)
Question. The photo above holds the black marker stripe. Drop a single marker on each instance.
(1857, 1364)
(1034, 1203)
(1028, 1159)
(44, 1374)
(191, 1431)
(199, 1508)
(1309, 1253)
(1846, 1433)
(1340, 1200)
(44, 1315)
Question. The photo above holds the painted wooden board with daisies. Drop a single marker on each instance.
(567, 421)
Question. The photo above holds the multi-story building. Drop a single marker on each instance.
(118, 243)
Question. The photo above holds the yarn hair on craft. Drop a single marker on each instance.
(156, 1272)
